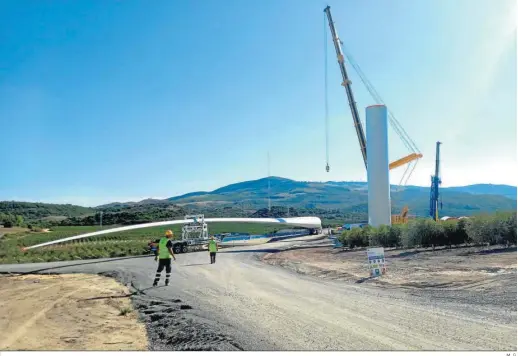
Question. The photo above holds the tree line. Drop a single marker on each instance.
(10, 220)
(487, 229)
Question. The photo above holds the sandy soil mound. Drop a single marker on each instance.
(67, 312)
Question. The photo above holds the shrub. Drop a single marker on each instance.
(492, 229)
(378, 236)
(385, 236)
(423, 232)
(356, 237)
(394, 236)
(461, 234)
(511, 231)
(450, 231)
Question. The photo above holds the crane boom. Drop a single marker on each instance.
(434, 190)
(347, 84)
(407, 159)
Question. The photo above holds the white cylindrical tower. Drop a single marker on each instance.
(378, 165)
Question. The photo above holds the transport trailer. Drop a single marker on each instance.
(185, 246)
(195, 235)
(181, 246)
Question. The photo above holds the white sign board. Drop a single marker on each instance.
(376, 257)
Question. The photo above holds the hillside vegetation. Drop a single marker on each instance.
(119, 244)
(334, 202)
(350, 197)
(487, 229)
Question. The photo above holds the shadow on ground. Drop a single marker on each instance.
(136, 292)
(498, 250)
(76, 264)
(487, 251)
(365, 279)
(270, 250)
(196, 264)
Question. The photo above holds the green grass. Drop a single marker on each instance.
(119, 244)
(124, 311)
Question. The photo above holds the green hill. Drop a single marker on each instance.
(347, 196)
(35, 211)
(332, 201)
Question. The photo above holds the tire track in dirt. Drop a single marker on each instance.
(266, 307)
(347, 316)
(362, 324)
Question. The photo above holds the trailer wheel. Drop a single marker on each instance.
(184, 248)
(177, 249)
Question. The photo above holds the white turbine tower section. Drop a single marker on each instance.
(378, 165)
(305, 222)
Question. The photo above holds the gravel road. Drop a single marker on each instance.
(241, 303)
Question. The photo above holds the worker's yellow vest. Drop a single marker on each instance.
(212, 246)
(163, 252)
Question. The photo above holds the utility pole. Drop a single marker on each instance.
(101, 219)
(269, 202)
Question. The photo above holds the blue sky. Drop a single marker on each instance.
(120, 100)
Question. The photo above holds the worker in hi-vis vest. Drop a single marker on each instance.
(213, 248)
(165, 252)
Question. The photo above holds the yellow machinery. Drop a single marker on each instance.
(401, 218)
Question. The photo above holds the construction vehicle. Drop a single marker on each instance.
(434, 189)
(195, 235)
(402, 218)
(346, 83)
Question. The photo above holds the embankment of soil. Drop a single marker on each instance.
(474, 269)
(67, 312)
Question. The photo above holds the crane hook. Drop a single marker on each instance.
(327, 167)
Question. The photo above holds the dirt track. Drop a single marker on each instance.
(58, 313)
(477, 269)
(243, 303)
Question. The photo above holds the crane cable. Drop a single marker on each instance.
(326, 93)
(375, 95)
(403, 135)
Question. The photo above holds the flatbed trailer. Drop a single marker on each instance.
(184, 246)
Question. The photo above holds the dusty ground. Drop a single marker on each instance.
(67, 312)
(11, 230)
(241, 303)
(473, 269)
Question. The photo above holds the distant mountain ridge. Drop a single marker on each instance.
(463, 200)
(328, 199)
(490, 189)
